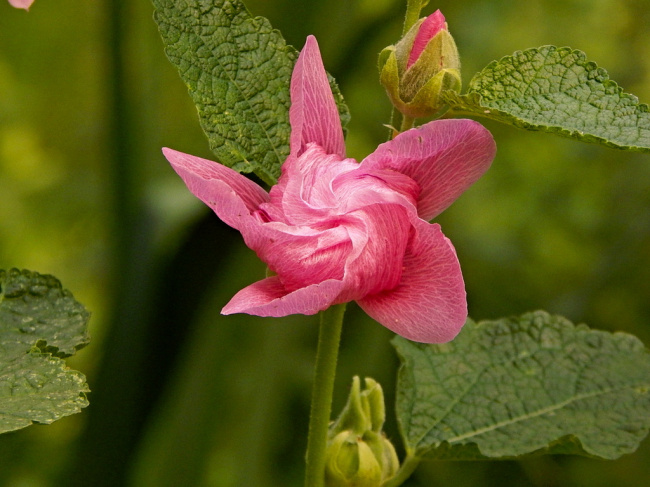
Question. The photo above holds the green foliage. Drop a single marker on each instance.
(238, 71)
(557, 90)
(534, 383)
(40, 323)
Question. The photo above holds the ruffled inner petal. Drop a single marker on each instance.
(304, 194)
(368, 186)
(301, 256)
(360, 235)
(379, 238)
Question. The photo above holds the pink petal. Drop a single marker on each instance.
(233, 197)
(270, 298)
(366, 186)
(379, 241)
(304, 193)
(299, 258)
(445, 157)
(429, 305)
(433, 24)
(313, 113)
(21, 3)
(302, 255)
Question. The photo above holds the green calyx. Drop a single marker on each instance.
(358, 453)
(364, 410)
(416, 90)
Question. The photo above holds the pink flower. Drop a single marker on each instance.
(333, 230)
(21, 3)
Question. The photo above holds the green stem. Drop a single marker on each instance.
(331, 323)
(413, 8)
(407, 123)
(407, 467)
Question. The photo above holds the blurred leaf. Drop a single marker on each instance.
(534, 383)
(557, 90)
(238, 71)
(39, 323)
(36, 311)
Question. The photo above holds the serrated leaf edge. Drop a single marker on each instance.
(471, 102)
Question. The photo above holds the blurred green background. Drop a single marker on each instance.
(185, 397)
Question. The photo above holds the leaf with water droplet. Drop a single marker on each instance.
(40, 324)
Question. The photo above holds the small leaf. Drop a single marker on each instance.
(238, 71)
(40, 323)
(557, 90)
(535, 383)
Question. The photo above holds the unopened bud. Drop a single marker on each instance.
(358, 453)
(422, 65)
(351, 462)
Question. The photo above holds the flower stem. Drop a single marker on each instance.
(413, 8)
(408, 466)
(331, 323)
(407, 123)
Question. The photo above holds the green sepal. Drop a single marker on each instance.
(364, 410)
(351, 462)
(405, 45)
(358, 453)
(383, 56)
(428, 100)
(440, 54)
(389, 76)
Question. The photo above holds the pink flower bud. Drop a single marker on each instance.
(421, 67)
(433, 24)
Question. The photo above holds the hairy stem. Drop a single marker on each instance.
(413, 8)
(392, 131)
(407, 123)
(331, 323)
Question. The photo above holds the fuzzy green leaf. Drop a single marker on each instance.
(40, 324)
(557, 90)
(531, 384)
(238, 71)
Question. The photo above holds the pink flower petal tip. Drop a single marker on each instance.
(24, 4)
(433, 24)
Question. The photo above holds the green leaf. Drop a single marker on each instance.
(531, 384)
(40, 324)
(557, 90)
(238, 71)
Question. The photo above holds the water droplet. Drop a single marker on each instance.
(38, 290)
(35, 380)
